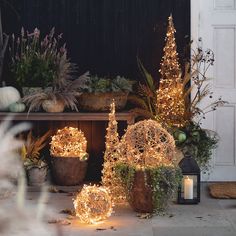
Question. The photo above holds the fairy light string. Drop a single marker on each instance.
(93, 204)
(170, 97)
(69, 142)
(146, 144)
(111, 157)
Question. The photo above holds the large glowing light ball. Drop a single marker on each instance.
(69, 142)
(147, 144)
(93, 204)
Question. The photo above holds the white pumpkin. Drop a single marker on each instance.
(8, 95)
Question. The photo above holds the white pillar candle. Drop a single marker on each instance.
(188, 188)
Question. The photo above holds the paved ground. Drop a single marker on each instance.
(211, 217)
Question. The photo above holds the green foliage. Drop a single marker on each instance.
(121, 84)
(164, 182)
(28, 164)
(39, 62)
(95, 84)
(199, 144)
(33, 71)
(148, 93)
(148, 77)
(126, 174)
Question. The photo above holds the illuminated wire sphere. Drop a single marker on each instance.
(69, 142)
(147, 144)
(93, 204)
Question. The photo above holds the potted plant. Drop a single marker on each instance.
(35, 61)
(98, 93)
(147, 166)
(55, 100)
(44, 63)
(68, 156)
(35, 166)
(190, 137)
(197, 142)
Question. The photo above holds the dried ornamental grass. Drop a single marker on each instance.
(15, 217)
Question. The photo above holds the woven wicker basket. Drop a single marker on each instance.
(68, 171)
(101, 101)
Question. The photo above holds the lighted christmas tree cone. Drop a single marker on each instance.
(111, 157)
(69, 156)
(170, 96)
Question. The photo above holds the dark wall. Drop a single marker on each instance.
(105, 36)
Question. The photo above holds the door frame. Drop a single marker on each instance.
(195, 21)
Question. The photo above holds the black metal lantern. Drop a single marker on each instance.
(189, 190)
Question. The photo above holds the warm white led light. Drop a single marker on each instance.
(93, 204)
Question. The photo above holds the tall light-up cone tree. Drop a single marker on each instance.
(111, 157)
(170, 99)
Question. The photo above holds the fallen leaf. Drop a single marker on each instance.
(53, 221)
(144, 215)
(53, 189)
(61, 222)
(70, 217)
(113, 228)
(68, 211)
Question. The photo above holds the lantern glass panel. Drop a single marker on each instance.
(189, 187)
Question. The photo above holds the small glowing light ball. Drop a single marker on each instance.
(69, 142)
(93, 204)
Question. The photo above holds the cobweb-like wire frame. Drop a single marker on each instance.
(147, 144)
(93, 204)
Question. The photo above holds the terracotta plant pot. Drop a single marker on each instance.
(36, 176)
(102, 101)
(68, 171)
(140, 196)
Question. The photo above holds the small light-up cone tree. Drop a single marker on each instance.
(170, 97)
(111, 157)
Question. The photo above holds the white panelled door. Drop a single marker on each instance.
(215, 22)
